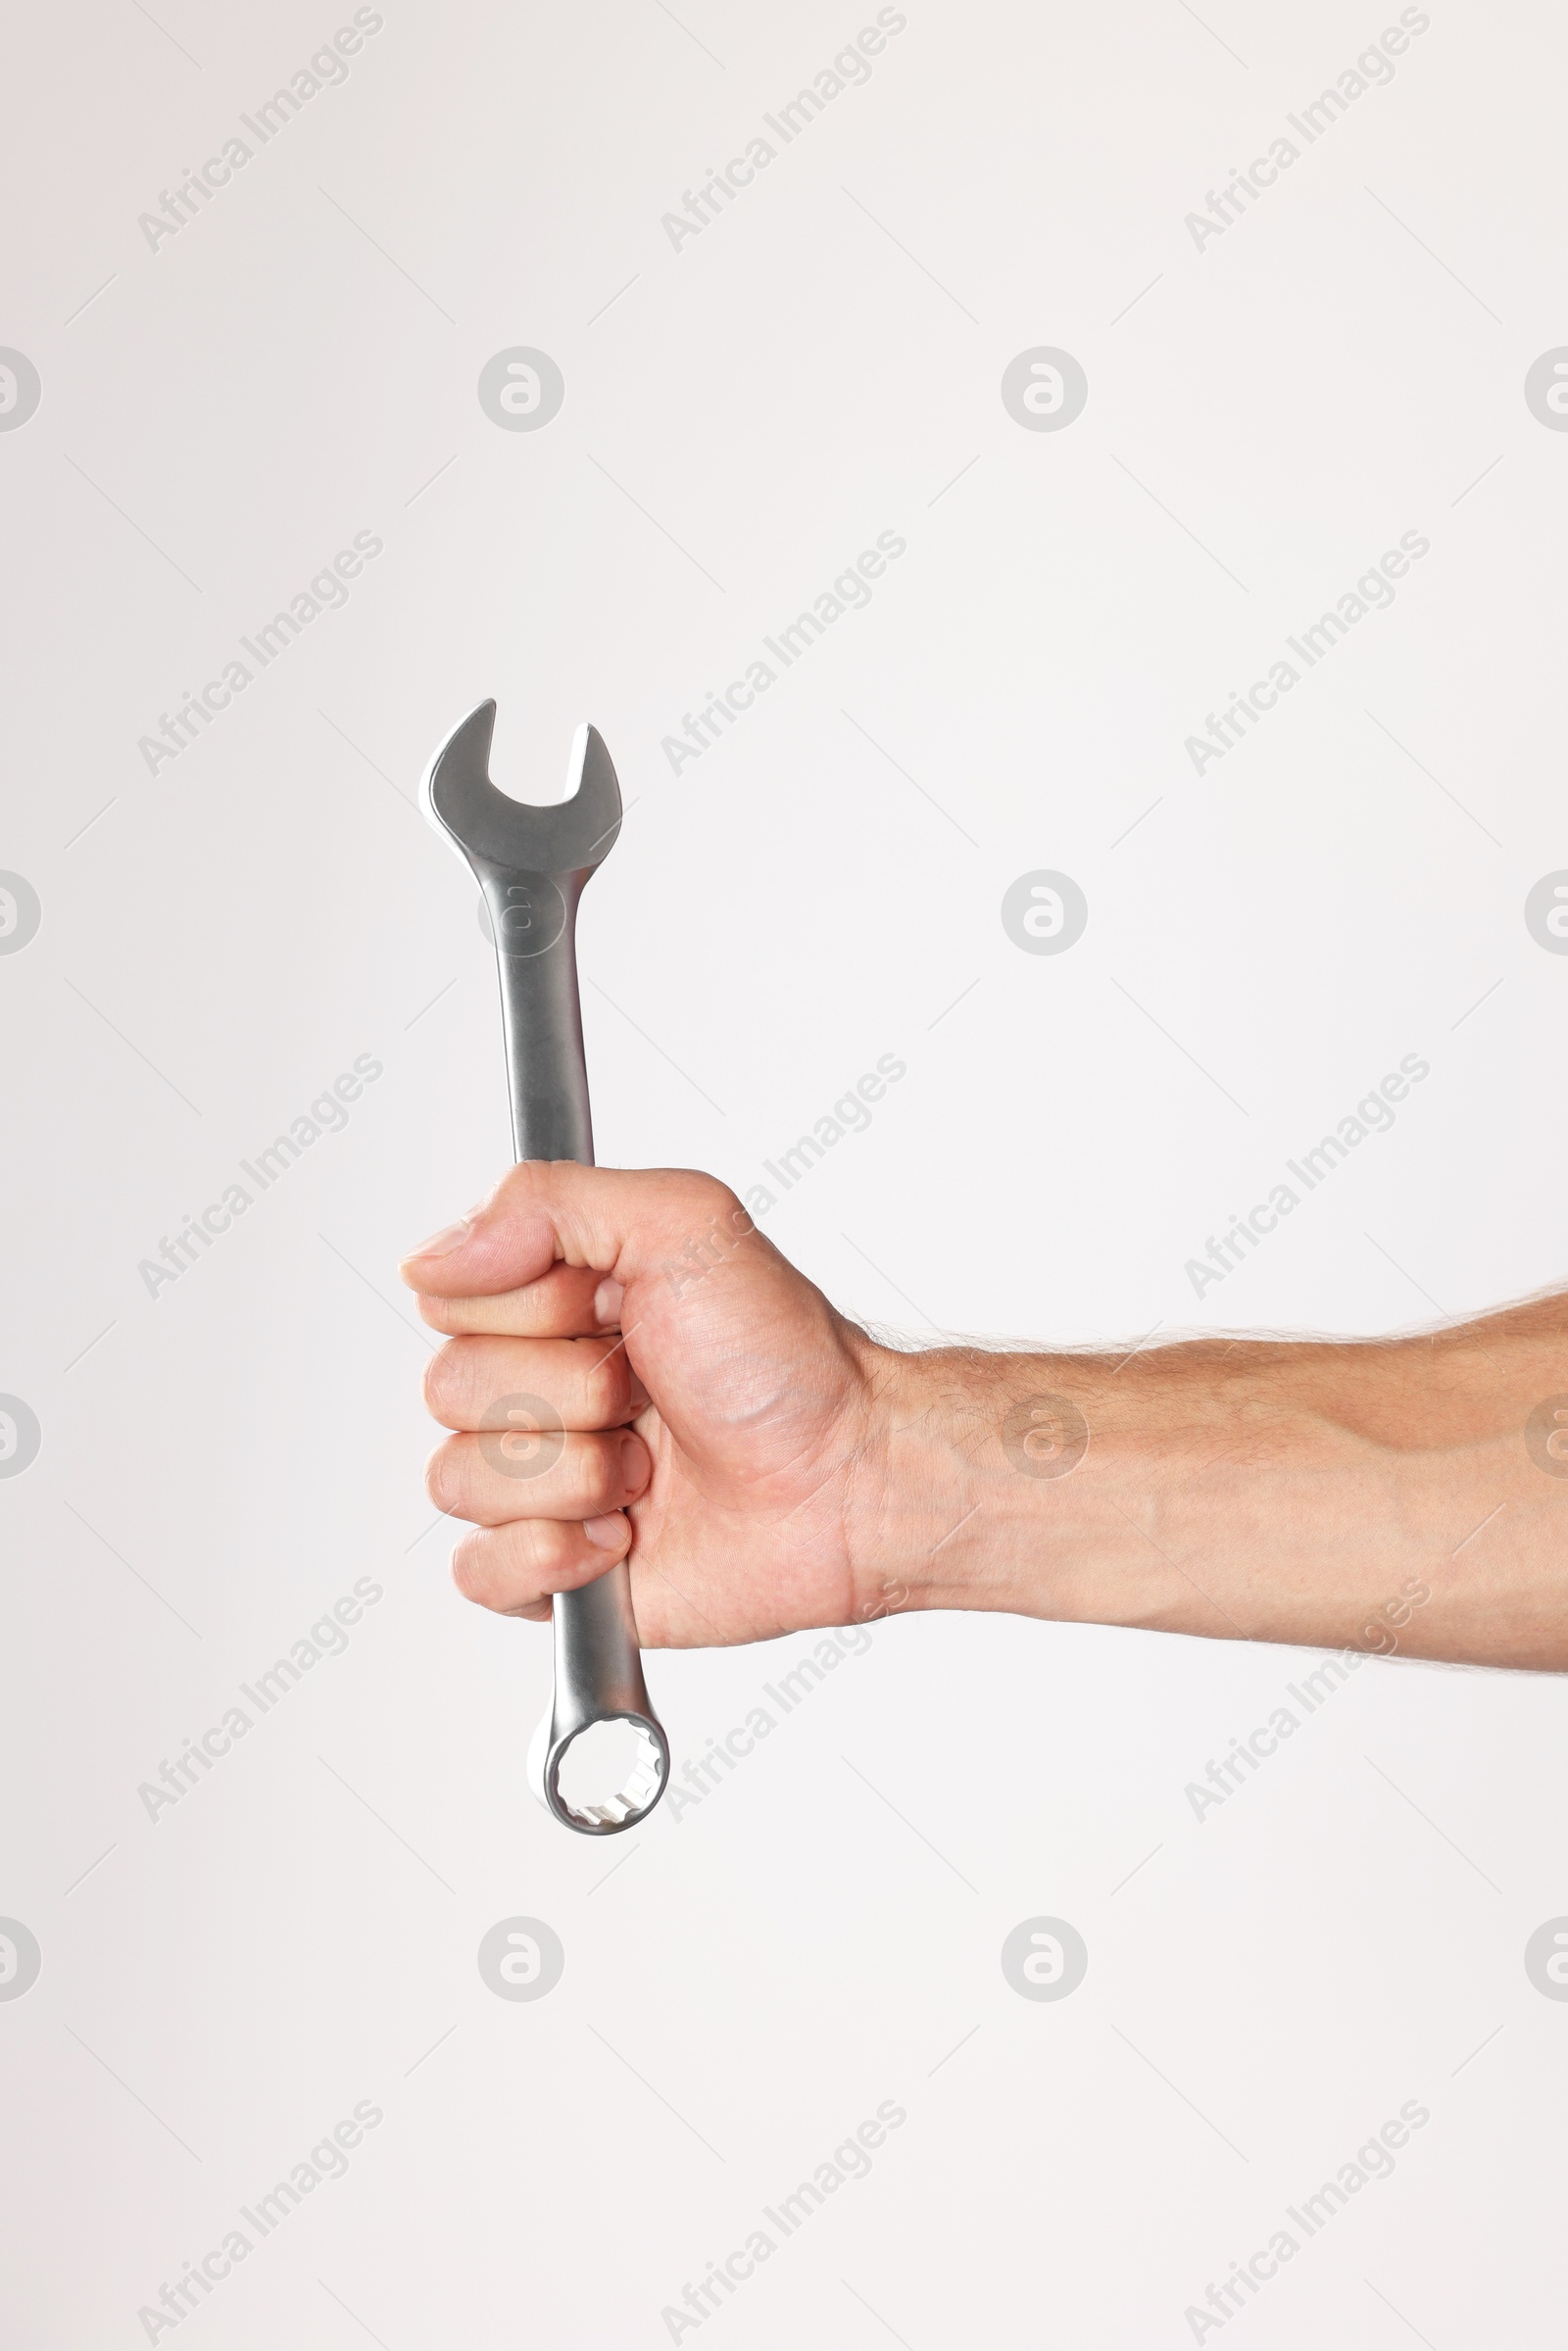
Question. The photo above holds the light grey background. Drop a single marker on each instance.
(219, 938)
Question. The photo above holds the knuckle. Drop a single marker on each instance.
(605, 1482)
(520, 1188)
(610, 1470)
(607, 1387)
(711, 1196)
(589, 1466)
(712, 1215)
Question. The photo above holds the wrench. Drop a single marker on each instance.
(532, 864)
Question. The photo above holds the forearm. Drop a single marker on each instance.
(1377, 1496)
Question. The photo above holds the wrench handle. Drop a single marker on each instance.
(534, 917)
(598, 1666)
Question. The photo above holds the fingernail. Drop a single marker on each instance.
(606, 1304)
(608, 1531)
(633, 1459)
(442, 1244)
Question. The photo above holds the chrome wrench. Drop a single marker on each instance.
(532, 864)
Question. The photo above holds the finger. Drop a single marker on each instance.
(503, 1474)
(565, 1302)
(623, 1221)
(587, 1383)
(515, 1569)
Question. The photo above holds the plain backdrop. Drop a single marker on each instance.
(224, 1456)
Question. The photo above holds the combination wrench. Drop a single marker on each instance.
(532, 864)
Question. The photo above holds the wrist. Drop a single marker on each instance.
(974, 1493)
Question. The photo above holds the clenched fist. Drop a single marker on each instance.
(705, 1410)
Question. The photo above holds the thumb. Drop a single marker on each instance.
(622, 1222)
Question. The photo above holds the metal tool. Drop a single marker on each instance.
(532, 864)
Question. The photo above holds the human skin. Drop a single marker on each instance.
(768, 1467)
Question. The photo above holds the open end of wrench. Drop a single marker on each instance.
(489, 828)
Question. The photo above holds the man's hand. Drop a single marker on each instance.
(768, 1468)
(707, 1409)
